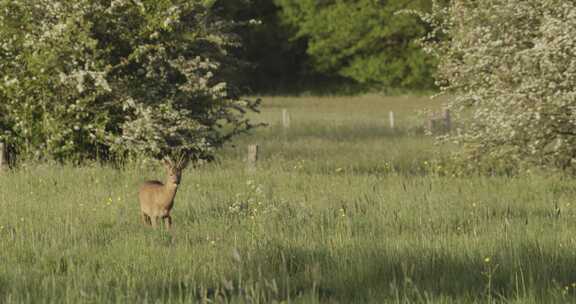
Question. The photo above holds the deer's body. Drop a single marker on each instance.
(157, 199)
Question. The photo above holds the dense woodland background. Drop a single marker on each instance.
(333, 47)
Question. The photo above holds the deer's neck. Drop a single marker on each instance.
(170, 190)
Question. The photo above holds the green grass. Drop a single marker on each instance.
(341, 209)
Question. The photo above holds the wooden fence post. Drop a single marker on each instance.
(285, 119)
(440, 122)
(447, 120)
(391, 119)
(3, 163)
(252, 156)
(431, 124)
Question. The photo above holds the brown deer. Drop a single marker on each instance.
(157, 198)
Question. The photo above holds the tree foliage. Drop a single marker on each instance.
(90, 78)
(510, 66)
(364, 40)
(275, 62)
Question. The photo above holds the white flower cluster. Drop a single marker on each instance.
(509, 65)
(128, 76)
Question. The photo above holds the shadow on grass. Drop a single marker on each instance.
(526, 271)
(523, 273)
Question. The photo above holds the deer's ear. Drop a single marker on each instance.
(167, 162)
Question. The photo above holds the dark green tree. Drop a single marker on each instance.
(364, 40)
(273, 61)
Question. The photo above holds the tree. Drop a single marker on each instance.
(90, 78)
(510, 66)
(275, 63)
(364, 40)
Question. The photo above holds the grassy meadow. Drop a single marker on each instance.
(340, 209)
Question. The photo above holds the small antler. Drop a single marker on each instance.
(167, 161)
(182, 160)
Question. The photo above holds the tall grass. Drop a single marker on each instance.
(340, 209)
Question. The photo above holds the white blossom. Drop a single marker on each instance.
(509, 65)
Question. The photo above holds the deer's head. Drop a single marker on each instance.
(174, 169)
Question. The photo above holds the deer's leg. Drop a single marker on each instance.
(145, 219)
(153, 219)
(168, 222)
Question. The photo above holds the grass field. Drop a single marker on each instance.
(341, 209)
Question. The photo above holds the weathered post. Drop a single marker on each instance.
(3, 163)
(391, 119)
(252, 156)
(447, 120)
(431, 124)
(285, 119)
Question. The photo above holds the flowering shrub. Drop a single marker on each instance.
(510, 66)
(87, 79)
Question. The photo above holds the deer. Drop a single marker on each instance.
(157, 198)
